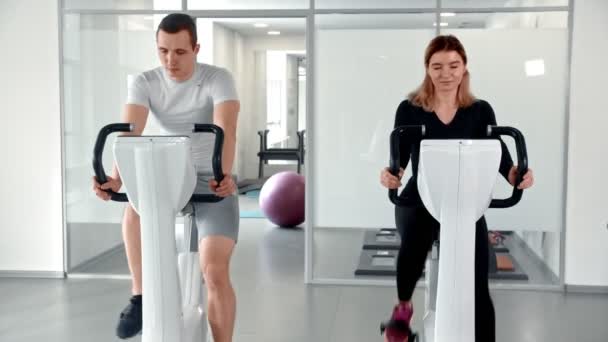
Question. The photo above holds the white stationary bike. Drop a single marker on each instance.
(455, 182)
(160, 178)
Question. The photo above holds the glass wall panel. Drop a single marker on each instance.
(364, 66)
(101, 54)
(519, 64)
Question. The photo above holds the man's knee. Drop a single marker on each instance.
(130, 213)
(130, 218)
(216, 276)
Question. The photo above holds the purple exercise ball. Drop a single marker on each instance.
(282, 199)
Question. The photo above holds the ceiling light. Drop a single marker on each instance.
(447, 14)
(274, 33)
(260, 25)
(441, 24)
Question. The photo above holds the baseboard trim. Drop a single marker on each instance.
(99, 276)
(32, 274)
(586, 289)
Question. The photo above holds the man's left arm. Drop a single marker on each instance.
(226, 106)
(225, 116)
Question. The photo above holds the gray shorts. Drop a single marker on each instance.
(220, 218)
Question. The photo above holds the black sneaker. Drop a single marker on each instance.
(130, 321)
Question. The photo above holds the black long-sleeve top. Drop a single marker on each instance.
(468, 123)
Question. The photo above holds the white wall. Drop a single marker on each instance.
(204, 32)
(30, 144)
(277, 97)
(292, 100)
(223, 47)
(302, 103)
(587, 204)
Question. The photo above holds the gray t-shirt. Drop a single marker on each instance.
(179, 105)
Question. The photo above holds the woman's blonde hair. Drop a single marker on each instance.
(424, 96)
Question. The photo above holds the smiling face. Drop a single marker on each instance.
(176, 53)
(446, 70)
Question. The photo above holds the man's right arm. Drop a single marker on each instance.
(138, 116)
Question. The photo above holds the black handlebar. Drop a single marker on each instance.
(100, 173)
(216, 160)
(522, 164)
(417, 133)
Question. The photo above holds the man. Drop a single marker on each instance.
(180, 93)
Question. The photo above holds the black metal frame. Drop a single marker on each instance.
(265, 154)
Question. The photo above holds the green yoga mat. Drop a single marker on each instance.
(253, 194)
(252, 214)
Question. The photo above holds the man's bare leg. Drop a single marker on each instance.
(215, 253)
(131, 234)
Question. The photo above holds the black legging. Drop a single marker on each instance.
(418, 229)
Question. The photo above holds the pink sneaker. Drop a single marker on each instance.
(397, 329)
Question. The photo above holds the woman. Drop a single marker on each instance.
(445, 105)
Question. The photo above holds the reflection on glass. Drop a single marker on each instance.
(535, 67)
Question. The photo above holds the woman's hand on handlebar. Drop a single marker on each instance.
(527, 180)
(226, 187)
(112, 184)
(388, 180)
